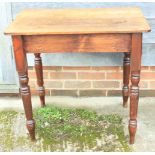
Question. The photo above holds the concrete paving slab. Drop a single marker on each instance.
(145, 137)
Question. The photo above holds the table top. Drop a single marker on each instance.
(79, 21)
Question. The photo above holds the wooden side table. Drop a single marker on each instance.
(79, 30)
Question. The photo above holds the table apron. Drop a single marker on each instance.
(77, 43)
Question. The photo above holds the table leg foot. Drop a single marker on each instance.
(30, 124)
(132, 130)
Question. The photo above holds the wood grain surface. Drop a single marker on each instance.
(77, 43)
(79, 21)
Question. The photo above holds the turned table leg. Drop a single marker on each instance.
(39, 74)
(22, 69)
(135, 78)
(126, 74)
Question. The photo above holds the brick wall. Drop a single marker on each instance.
(89, 81)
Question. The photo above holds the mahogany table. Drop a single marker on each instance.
(79, 30)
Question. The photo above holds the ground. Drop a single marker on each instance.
(145, 137)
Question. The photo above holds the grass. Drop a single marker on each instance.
(59, 129)
(6, 136)
(57, 125)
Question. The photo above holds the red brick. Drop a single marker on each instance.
(76, 68)
(56, 68)
(63, 75)
(32, 75)
(152, 68)
(147, 75)
(113, 68)
(142, 67)
(53, 84)
(106, 84)
(91, 76)
(114, 75)
(145, 68)
(77, 84)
